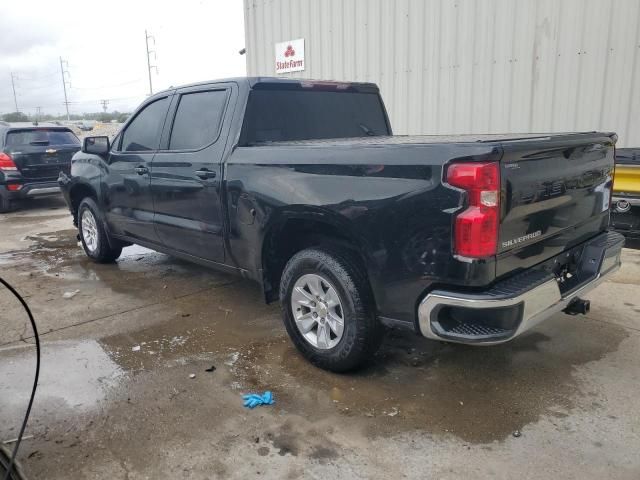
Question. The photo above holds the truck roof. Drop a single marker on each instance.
(277, 82)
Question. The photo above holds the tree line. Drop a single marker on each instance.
(106, 117)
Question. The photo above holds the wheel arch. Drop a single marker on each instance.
(295, 230)
(77, 193)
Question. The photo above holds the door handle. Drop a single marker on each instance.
(141, 170)
(205, 173)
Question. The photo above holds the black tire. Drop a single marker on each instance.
(362, 332)
(5, 204)
(105, 251)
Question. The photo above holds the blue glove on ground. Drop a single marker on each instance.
(252, 400)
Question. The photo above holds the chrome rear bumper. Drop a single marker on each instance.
(523, 302)
(35, 192)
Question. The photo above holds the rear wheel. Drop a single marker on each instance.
(94, 238)
(328, 309)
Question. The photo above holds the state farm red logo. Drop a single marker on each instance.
(289, 56)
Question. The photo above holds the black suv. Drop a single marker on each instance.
(31, 158)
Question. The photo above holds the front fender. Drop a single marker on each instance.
(84, 180)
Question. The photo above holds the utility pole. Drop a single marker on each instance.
(15, 98)
(149, 52)
(38, 113)
(104, 105)
(64, 86)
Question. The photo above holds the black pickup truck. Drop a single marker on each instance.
(300, 186)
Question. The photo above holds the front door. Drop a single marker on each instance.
(186, 172)
(128, 202)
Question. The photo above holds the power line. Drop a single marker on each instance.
(13, 86)
(39, 87)
(111, 99)
(64, 85)
(103, 87)
(38, 77)
(93, 102)
(104, 105)
(149, 52)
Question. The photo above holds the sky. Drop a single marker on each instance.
(103, 45)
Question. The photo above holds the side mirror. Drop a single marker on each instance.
(96, 145)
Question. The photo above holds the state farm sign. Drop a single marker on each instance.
(290, 56)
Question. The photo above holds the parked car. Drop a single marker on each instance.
(300, 186)
(31, 159)
(625, 216)
(85, 126)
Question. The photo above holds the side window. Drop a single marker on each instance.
(197, 119)
(143, 133)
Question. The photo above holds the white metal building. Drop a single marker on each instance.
(467, 66)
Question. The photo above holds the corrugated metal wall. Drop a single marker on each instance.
(469, 66)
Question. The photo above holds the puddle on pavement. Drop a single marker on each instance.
(139, 271)
(30, 218)
(46, 251)
(210, 324)
(75, 376)
(478, 394)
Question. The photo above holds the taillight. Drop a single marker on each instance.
(476, 228)
(14, 187)
(6, 163)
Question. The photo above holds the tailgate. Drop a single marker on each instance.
(41, 153)
(43, 163)
(556, 194)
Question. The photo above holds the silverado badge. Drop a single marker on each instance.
(524, 238)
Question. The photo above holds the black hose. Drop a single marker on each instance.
(8, 474)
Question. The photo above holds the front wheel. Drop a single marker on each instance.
(328, 309)
(93, 235)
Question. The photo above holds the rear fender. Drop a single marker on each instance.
(312, 226)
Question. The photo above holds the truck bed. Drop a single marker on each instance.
(555, 187)
(432, 139)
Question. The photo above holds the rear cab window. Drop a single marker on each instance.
(197, 120)
(274, 115)
(41, 137)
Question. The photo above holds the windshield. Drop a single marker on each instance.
(41, 137)
(281, 115)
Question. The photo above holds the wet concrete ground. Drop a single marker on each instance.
(116, 399)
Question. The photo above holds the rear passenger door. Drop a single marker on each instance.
(186, 173)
